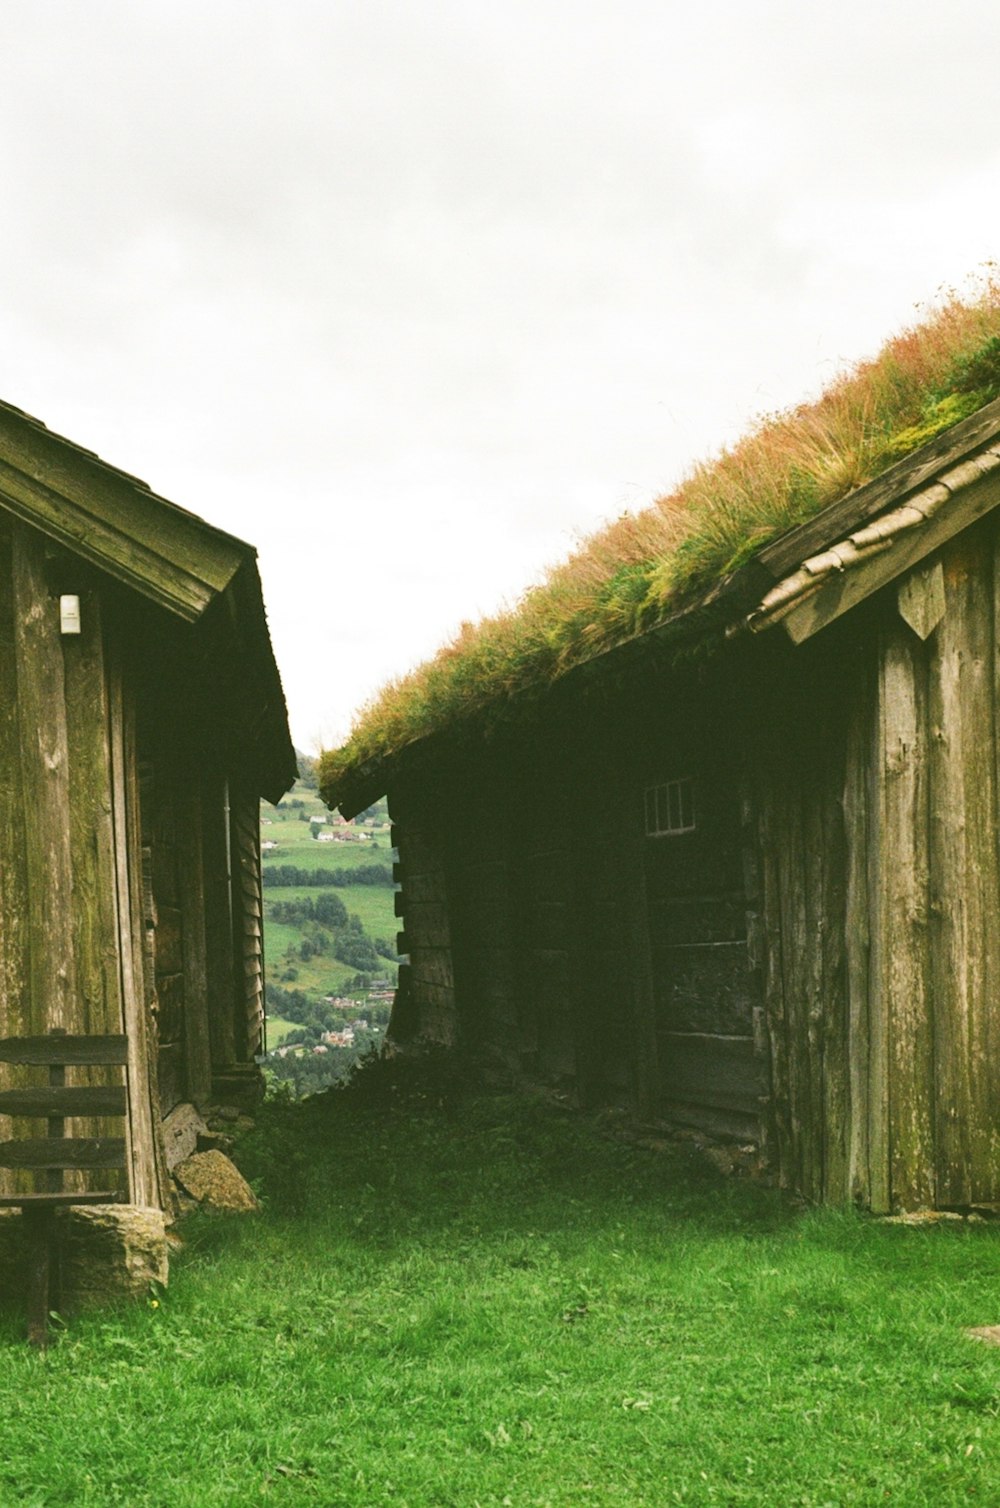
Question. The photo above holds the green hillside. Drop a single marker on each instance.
(329, 936)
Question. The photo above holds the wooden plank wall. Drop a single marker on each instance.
(59, 954)
(705, 990)
(877, 790)
(856, 886)
(545, 930)
(425, 1000)
(247, 926)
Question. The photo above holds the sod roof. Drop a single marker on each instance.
(643, 570)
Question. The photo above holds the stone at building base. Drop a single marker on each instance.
(216, 1183)
(181, 1130)
(105, 1252)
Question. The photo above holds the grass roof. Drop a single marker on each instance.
(638, 571)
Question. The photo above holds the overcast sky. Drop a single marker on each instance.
(412, 295)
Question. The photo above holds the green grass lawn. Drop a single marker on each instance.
(488, 1303)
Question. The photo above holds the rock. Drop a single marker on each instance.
(988, 1334)
(181, 1132)
(214, 1141)
(922, 1218)
(112, 1251)
(107, 1252)
(216, 1183)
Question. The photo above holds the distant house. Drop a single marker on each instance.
(756, 890)
(141, 721)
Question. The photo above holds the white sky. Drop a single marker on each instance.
(412, 293)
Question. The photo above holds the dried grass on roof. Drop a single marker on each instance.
(641, 568)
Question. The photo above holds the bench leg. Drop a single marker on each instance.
(39, 1229)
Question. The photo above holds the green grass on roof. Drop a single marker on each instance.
(638, 570)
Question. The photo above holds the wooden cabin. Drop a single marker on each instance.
(754, 890)
(141, 721)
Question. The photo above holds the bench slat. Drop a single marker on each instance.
(64, 1049)
(53, 1201)
(90, 1099)
(64, 1152)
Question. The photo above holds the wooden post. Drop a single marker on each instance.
(38, 1230)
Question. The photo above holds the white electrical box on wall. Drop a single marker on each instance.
(69, 615)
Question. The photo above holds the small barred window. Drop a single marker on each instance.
(670, 808)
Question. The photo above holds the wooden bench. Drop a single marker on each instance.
(50, 1157)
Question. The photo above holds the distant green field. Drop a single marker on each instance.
(373, 905)
(308, 853)
(277, 1027)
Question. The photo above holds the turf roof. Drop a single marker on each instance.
(637, 572)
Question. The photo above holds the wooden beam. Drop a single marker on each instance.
(89, 1099)
(68, 1049)
(63, 1152)
(842, 591)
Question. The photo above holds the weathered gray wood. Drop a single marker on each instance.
(61, 1200)
(951, 935)
(964, 878)
(68, 1049)
(15, 1010)
(879, 1014)
(831, 946)
(857, 935)
(840, 593)
(244, 808)
(921, 599)
(144, 1182)
(91, 831)
(45, 773)
(902, 919)
(79, 1100)
(191, 863)
(219, 945)
(778, 1111)
(63, 1152)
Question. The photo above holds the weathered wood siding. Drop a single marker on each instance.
(817, 962)
(66, 958)
(696, 885)
(546, 931)
(247, 924)
(425, 1000)
(877, 794)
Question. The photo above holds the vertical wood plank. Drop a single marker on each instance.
(247, 906)
(835, 1088)
(879, 1018)
(903, 900)
(814, 983)
(45, 774)
(143, 1125)
(775, 1010)
(191, 860)
(91, 831)
(15, 1014)
(794, 945)
(857, 936)
(222, 983)
(964, 881)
